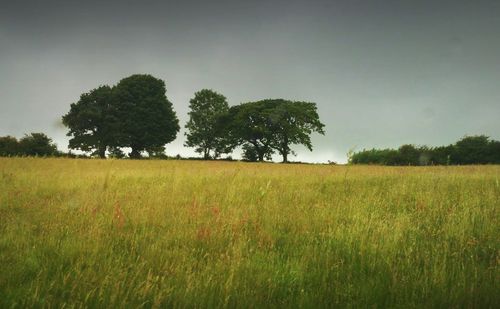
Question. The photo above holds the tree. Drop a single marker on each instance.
(37, 144)
(92, 121)
(408, 155)
(266, 126)
(376, 156)
(147, 119)
(441, 155)
(494, 152)
(292, 123)
(9, 146)
(251, 154)
(248, 125)
(204, 133)
(472, 150)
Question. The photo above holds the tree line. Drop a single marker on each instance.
(135, 114)
(479, 149)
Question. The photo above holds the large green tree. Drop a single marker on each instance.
(248, 125)
(266, 126)
(92, 121)
(204, 133)
(147, 119)
(292, 123)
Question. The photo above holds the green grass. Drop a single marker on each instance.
(95, 233)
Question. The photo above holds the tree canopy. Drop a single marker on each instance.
(147, 119)
(9, 146)
(472, 149)
(92, 121)
(33, 144)
(292, 124)
(266, 126)
(248, 125)
(204, 133)
(135, 113)
(37, 144)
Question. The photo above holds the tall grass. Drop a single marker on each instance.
(94, 233)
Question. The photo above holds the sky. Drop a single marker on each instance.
(383, 73)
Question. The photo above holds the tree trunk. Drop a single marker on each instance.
(285, 156)
(102, 152)
(285, 150)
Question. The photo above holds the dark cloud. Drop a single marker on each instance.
(383, 73)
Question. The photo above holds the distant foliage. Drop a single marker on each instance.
(248, 126)
(268, 126)
(34, 144)
(92, 122)
(146, 117)
(476, 150)
(479, 149)
(135, 113)
(204, 133)
(292, 124)
(251, 153)
(9, 146)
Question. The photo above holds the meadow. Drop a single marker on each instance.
(149, 233)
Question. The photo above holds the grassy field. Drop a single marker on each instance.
(95, 233)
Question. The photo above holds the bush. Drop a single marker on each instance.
(34, 144)
(37, 144)
(9, 146)
(477, 149)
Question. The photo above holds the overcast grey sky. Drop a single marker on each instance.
(382, 72)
